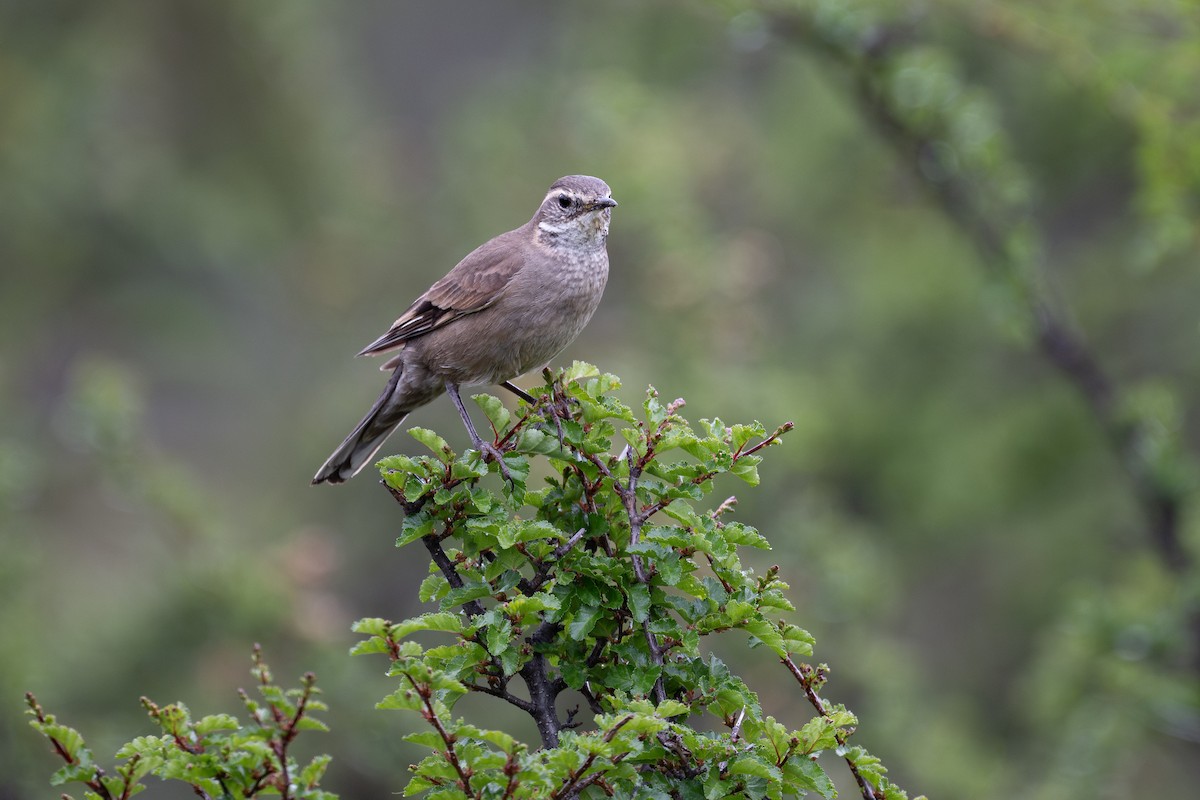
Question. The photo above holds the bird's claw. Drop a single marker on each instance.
(489, 451)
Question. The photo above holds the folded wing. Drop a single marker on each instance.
(477, 282)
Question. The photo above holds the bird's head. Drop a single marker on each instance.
(576, 210)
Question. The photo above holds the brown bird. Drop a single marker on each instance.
(511, 305)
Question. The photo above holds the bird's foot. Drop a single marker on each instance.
(489, 451)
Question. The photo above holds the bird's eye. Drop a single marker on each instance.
(564, 201)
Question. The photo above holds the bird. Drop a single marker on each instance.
(512, 304)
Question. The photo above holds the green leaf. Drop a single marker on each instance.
(500, 739)
(441, 621)
(574, 674)
(430, 739)
(499, 637)
(414, 527)
(738, 611)
(494, 410)
(310, 724)
(534, 441)
(797, 640)
(740, 434)
(216, 722)
(584, 621)
(806, 774)
(404, 698)
(752, 765)
(656, 412)
(435, 443)
(68, 738)
(434, 587)
(768, 634)
(372, 626)
(367, 647)
(312, 772)
(671, 708)
(638, 596)
(746, 468)
(739, 534)
(73, 773)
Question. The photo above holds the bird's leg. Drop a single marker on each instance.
(487, 449)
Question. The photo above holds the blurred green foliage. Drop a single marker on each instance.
(216, 756)
(208, 206)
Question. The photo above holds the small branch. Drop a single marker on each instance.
(503, 694)
(654, 508)
(628, 494)
(575, 783)
(542, 572)
(806, 677)
(473, 607)
(1063, 347)
(593, 703)
(464, 777)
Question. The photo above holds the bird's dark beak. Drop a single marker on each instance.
(604, 202)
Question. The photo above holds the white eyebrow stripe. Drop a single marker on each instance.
(557, 192)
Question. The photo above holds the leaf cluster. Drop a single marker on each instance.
(603, 581)
(215, 755)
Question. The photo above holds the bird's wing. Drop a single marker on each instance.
(478, 281)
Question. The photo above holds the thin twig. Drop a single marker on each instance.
(430, 714)
(574, 782)
(804, 674)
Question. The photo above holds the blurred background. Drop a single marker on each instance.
(208, 206)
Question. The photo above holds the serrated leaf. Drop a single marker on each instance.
(494, 410)
(584, 621)
(430, 739)
(671, 708)
(767, 633)
(638, 596)
(740, 434)
(499, 637)
(404, 698)
(751, 765)
(746, 468)
(73, 773)
(432, 588)
(797, 640)
(69, 738)
(537, 442)
(443, 621)
(744, 535)
(414, 527)
(738, 610)
(806, 774)
(314, 770)
(309, 724)
(500, 739)
(369, 647)
(216, 722)
(575, 675)
(656, 412)
(371, 626)
(437, 445)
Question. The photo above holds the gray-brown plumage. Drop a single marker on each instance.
(511, 305)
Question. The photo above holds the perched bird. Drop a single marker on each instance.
(511, 305)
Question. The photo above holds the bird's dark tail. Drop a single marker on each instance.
(365, 440)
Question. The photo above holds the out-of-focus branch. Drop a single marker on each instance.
(984, 221)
